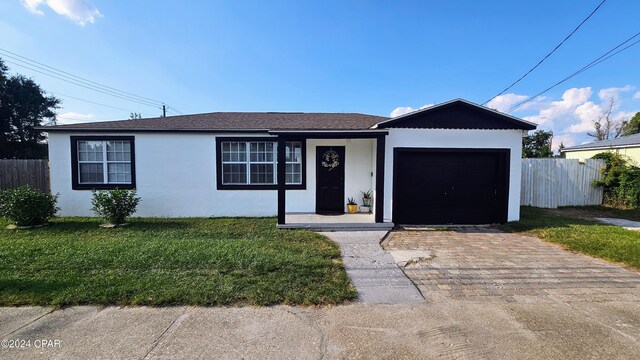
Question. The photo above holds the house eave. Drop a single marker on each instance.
(600, 148)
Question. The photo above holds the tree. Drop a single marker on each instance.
(605, 126)
(134, 115)
(560, 148)
(632, 126)
(537, 145)
(23, 107)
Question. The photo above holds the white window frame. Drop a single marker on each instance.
(248, 162)
(105, 163)
(296, 162)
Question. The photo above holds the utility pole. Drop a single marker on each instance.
(164, 111)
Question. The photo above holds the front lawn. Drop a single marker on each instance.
(580, 234)
(224, 261)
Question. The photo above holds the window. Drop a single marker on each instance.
(252, 164)
(102, 162)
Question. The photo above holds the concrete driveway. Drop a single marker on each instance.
(488, 296)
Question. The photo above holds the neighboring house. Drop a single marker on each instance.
(626, 145)
(452, 163)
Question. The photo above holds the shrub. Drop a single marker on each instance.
(26, 206)
(621, 181)
(115, 206)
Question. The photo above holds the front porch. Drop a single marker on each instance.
(317, 222)
(330, 185)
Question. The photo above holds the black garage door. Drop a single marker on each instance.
(450, 186)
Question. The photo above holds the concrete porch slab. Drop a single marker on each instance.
(343, 222)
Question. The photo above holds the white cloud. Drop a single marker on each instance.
(571, 99)
(567, 139)
(586, 113)
(71, 117)
(613, 93)
(401, 110)
(79, 11)
(506, 101)
(637, 95)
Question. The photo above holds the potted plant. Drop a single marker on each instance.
(366, 198)
(352, 205)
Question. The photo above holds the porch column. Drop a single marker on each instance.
(380, 147)
(281, 170)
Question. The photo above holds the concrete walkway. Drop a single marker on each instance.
(627, 224)
(372, 270)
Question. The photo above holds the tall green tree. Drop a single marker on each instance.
(23, 107)
(632, 126)
(537, 145)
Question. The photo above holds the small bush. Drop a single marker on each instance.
(621, 181)
(115, 206)
(26, 206)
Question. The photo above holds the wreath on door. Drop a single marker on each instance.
(330, 159)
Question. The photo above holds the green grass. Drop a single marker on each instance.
(590, 237)
(224, 261)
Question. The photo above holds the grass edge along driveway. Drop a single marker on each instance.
(579, 234)
(221, 261)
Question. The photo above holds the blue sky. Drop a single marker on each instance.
(373, 57)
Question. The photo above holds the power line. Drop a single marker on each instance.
(76, 82)
(95, 103)
(63, 73)
(609, 54)
(176, 110)
(81, 85)
(79, 81)
(548, 55)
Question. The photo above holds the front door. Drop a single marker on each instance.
(330, 180)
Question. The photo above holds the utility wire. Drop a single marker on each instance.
(84, 86)
(59, 72)
(176, 110)
(548, 55)
(99, 104)
(609, 54)
(79, 81)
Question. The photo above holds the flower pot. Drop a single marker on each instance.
(366, 201)
(352, 208)
(365, 209)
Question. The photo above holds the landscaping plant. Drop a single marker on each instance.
(621, 181)
(115, 206)
(27, 206)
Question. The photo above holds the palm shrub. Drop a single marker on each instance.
(115, 206)
(26, 206)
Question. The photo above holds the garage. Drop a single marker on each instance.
(450, 186)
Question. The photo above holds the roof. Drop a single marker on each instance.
(457, 114)
(625, 141)
(233, 121)
(454, 114)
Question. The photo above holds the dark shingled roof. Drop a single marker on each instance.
(630, 140)
(227, 121)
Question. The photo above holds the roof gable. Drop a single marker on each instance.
(457, 114)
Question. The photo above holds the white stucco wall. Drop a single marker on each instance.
(176, 177)
(444, 138)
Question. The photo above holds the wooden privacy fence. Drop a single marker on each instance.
(14, 173)
(549, 183)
